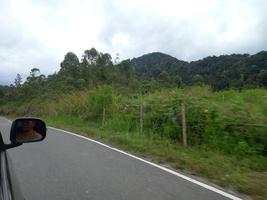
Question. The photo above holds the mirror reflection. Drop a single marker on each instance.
(27, 130)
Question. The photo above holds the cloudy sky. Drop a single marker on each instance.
(38, 33)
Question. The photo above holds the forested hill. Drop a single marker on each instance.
(140, 105)
(221, 72)
(152, 64)
(144, 74)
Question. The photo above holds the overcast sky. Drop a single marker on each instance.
(38, 33)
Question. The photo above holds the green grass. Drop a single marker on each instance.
(225, 146)
(246, 175)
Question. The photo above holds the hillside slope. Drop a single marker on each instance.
(221, 72)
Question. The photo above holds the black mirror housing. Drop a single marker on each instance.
(26, 130)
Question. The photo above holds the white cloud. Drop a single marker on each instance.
(38, 33)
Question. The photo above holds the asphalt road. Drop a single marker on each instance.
(65, 166)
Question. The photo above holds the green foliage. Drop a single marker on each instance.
(244, 173)
(145, 74)
(216, 120)
(262, 78)
(18, 81)
(164, 78)
(197, 80)
(231, 123)
(221, 72)
(149, 86)
(69, 66)
(178, 81)
(97, 100)
(223, 121)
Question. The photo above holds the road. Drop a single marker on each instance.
(65, 166)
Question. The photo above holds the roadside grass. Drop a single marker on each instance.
(226, 130)
(244, 174)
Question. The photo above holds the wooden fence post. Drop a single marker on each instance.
(104, 115)
(141, 118)
(184, 124)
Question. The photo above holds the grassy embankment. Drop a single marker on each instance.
(226, 130)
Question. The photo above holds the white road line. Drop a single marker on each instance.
(158, 166)
(153, 164)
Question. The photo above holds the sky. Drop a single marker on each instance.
(38, 33)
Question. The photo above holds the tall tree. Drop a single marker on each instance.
(178, 81)
(18, 81)
(104, 59)
(70, 65)
(126, 72)
(33, 75)
(90, 56)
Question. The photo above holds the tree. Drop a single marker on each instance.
(262, 78)
(164, 77)
(149, 86)
(126, 72)
(18, 81)
(198, 79)
(33, 75)
(34, 72)
(90, 56)
(178, 81)
(104, 59)
(70, 65)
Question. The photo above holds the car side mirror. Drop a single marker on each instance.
(25, 130)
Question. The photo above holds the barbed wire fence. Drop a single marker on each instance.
(138, 113)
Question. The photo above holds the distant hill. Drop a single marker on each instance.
(221, 72)
(144, 74)
(150, 65)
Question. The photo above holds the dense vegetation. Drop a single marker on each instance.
(225, 98)
(144, 74)
(222, 72)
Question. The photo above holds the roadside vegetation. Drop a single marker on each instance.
(226, 129)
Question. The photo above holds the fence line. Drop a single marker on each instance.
(139, 113)
(184, 124)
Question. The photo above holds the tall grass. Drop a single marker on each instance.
(227, 131)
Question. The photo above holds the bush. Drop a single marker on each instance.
(97, 100)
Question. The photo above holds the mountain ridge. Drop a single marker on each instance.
(224, 71)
